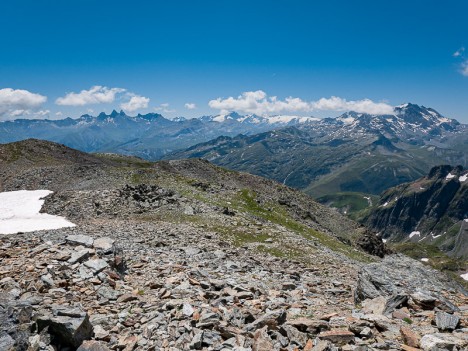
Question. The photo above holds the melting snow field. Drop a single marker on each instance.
(464, 276)
(19, 212)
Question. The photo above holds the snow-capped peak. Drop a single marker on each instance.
(256, 119)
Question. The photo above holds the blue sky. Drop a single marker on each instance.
(155, 56)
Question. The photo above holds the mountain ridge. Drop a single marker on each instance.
(431, 210)
(149, 136)
(353, 152)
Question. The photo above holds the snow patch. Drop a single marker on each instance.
(414, 233)
(219, 118)
(424, 259)
(288, 119)
(450, 176)
(463, 177)
(369, 200)
(464, 276)
(19, 212)
(347, 120)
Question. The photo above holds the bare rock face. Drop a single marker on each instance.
(431, 206)
(398, 275)
(84, 240)
(443, 342)
(92, 345)
(67, 327)
(446, 321)
(373, 244)
(6, 342)
(262, 341)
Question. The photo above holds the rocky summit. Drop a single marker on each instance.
(184, 255)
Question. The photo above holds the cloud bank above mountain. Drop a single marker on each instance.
(135, 103)
(25, 104)
(16, 102)
(258, 102)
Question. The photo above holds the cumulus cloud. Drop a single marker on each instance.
(59, 114)
(363, 106)
(258, 102)
(464, 68)
(96, 95)
(136, 102)
(190, 106)
(459, 52)
(43, 113)
(164, 108)
(18, 113)
(17, 102)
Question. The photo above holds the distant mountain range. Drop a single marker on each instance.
(148, 136)
(354, 152)
(432, 210)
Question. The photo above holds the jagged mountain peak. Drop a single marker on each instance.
(407, 119)
(150, 116)
(413, 113)
(254, 119)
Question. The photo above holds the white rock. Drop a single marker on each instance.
(104, 244)
(80, 240)
(96, 265)
(439, 342)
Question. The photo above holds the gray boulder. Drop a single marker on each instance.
(446, 321)
(68, 327)
(80, 240)
(396, 277)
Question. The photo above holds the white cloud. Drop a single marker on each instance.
(18, 113)
(190, 106)
(17, 102)
(96, 95)
(459, 52)
(464, 68)
(363, 106)
(258, 102)
(136, 102)
(59, 114)
(43, 113)
(164, 108)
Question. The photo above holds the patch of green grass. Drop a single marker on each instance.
(408, 320)
(276, 214)
(352, 204)
(453, 230)
(437, 259)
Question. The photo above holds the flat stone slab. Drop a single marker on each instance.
(80, 240)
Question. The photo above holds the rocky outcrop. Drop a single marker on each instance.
(197, 292)
(398, 288)
(431, 210)
(373, 245)
(399, 278)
